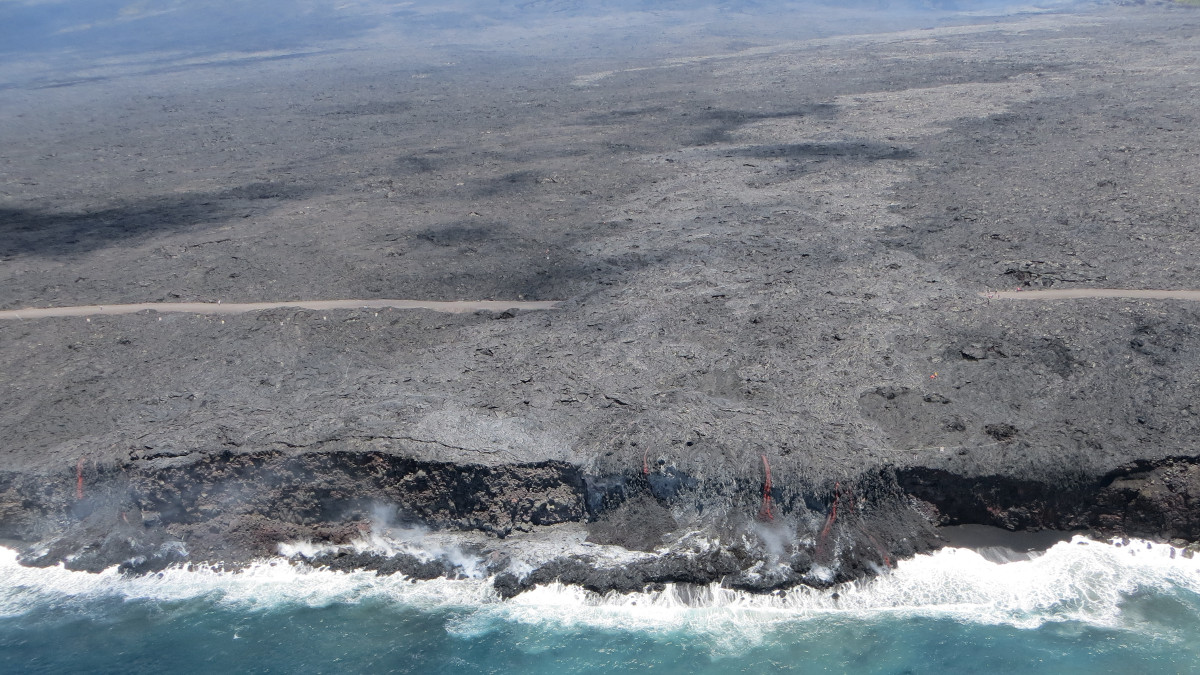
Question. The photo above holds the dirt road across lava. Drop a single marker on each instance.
(456, 307)
(1084, 293)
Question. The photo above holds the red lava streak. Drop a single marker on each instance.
(79, 478)
(837, 494)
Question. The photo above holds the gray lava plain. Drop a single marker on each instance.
(763, 247)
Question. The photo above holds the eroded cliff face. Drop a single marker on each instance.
(231, 509)
(1157, 500)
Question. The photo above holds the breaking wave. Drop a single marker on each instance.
(1077, 581)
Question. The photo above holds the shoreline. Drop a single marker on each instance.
(425, 564)
(604, 533)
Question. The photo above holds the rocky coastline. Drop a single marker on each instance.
(231, 509)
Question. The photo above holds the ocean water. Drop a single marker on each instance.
(1081, 607)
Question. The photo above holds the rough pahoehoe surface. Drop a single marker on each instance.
(775, 256)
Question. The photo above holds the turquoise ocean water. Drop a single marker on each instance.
(1082, 607)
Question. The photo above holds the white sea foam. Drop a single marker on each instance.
(264, 584)
(1080, 580)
